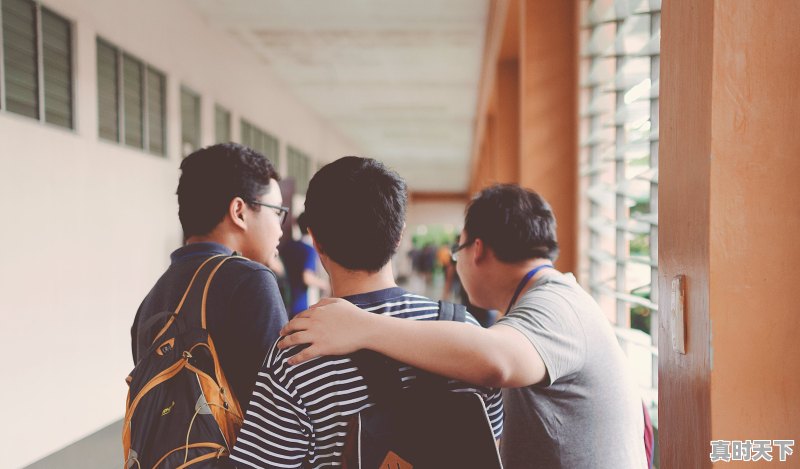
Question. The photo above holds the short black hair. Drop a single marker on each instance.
(356, 209)
(516, 223)
(213, 176)
(302, 223)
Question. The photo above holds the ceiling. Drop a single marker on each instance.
(399, 78)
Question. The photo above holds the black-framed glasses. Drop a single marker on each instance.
(457, 247)
(282, 212)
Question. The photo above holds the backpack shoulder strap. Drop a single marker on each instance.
(452, 312)
(382, 374)
(196, 293)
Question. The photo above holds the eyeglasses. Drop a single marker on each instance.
(282, 212)
(457, 247)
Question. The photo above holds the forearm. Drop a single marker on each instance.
(456, 350)
(496, 357)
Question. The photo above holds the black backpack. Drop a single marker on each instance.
(180, 411)
(424, 427)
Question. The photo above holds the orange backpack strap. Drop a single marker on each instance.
(191, 291)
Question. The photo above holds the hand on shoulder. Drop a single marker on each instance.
(331, 327)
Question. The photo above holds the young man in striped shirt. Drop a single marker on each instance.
(298, 415)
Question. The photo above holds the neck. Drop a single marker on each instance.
(216, 236)
(508, 276)
(353, 282)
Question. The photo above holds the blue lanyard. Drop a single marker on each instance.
(524, 282)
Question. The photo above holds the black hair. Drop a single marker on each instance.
(213, 176)
(355, 209)
(516, 223)
(302, 223)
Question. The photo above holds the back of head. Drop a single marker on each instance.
(355, 209)
(213, 176)
(302, 223)
(516, 223)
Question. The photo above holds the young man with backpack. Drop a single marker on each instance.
(217, 290)
(303, 416)
(570, 401)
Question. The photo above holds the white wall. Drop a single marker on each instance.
(87, 225)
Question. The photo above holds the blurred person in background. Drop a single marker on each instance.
(300, 260)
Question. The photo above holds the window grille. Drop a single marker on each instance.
(36, 63)
(131, 100)
(190, 121)
(57, 64)
(155, 111)
(299, 168)
(222, 124)
(108, 103)
(260, 141)
(619, 169)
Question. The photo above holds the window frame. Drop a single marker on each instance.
(218, 110)
(302, 163)
(197, 118)
(120, 55)
(260, 140)
(41, 108)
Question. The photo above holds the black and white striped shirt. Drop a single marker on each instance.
(297, 416)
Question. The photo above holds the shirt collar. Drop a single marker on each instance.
(199, 249)
(377, 296)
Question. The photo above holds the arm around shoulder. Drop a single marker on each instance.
(497, 357)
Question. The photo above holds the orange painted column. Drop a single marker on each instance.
(755, 221)
(484, 170)
(548, 66)
(683, 233)
(728, 221)
(506, 157)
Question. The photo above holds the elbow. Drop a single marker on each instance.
(496, 373)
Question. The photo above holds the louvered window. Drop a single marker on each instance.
(107, 92)
(260, 141)
(299, 168)
(131, 100)
(222, 124)
(190, 121)
(156, 109)
(36, 65)
(619, 168)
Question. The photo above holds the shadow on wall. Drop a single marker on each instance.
(100, 450)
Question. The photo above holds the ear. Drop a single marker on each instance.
(237, 212)
(402, 235)
(323, 258)
(315, 243)
(481, 252)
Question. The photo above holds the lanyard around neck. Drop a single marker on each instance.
(524, 282)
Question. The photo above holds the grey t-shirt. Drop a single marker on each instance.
(587, 412)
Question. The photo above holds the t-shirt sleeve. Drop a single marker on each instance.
(276, 429)
(258, 314)
(553, 327)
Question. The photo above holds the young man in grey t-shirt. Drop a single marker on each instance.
(570, 401)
